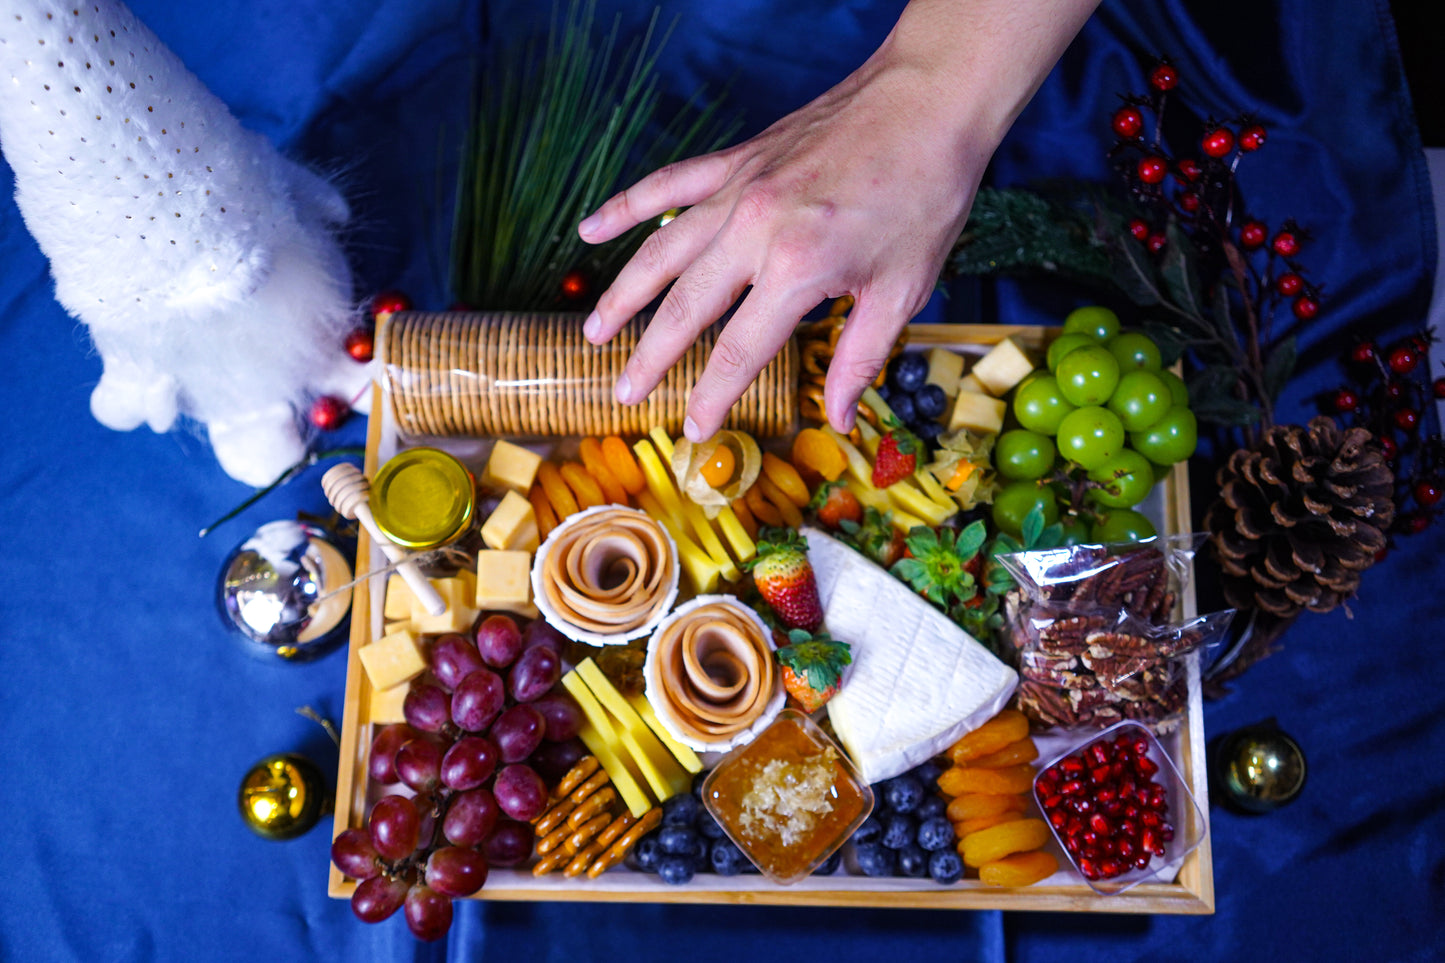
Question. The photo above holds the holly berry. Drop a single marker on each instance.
(1252, 137)
(1139, 229)
(1438, 387)
(1285, 244)
(361, 344)
(1128, 122)
(1156, 243)
(1388, 448)
(1407, 419)
(574, 286)
(1346, 400)
(1189, 201)
(387, 303)
(1305, 307)
(1189, 169)
(1363, 353)
(1163, 77)
(1218, 142)
(1151, 169)
(1416, 522)
(1289, 284)
(1252, 234)
(327, 412)
(1428, 492)
(1395, 390)
(1403, 360)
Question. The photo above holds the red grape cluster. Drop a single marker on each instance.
(1391, 393)
(485, 732)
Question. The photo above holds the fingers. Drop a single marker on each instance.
(677, 185)
(873, 326)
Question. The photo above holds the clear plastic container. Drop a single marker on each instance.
(1091, 820)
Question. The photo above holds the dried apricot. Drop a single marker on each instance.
(546, 518)
(1020, 869)
(745, 517)
(590, 451)
(589, 494)
(789, 512)
(624, 466)
(814, 451)
(550, 478)
(786, 478)
(761, 508)
(974, 804)
(1010, 755)
(970, 826)
(1002, 840)
(959, 780)
(1008, 726)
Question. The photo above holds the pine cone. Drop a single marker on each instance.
(1300, 516)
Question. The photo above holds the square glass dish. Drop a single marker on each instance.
(1119, 808)
(788, 799)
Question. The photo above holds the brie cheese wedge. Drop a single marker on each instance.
(917, 681)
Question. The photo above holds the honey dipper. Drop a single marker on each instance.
(348, 491)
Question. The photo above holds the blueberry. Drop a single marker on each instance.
(646, 853)
(726, 858)
(927, 772)
(870, 831)
(935, 833)
(945, 867)
(929, 401)
(681, 810)
(931, 806)
(908, 372)
(830, 865)
(912, 861)
(903, 793)
(708, 827)
(875, 860)
(897, 831)
(885, 392)
(678, 840)
(903, 407)
(928, 431)
(675, 870)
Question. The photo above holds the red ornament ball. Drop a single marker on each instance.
(1252, 234)
(1388, 448)
(1285, 244)
(1428, 492)
(1218, 142)
(327, 412)
(1403, 360)
(1189, 169)
(1407, 419)
(1346, 401)
(1289, 284)
(1252, 137)
(1156, 243)
(1363, 353)
(1189, 201)
(387, 303)
(1438, 387)
(574, 286)
(1305, 307)
(1152, 169)
(1163, 77)
(1139, 229)
(361, 344)
(1128, 122)
(1416, 522)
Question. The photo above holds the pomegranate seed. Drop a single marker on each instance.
(1099, 752)
(1149, 840)
(1110, 868)
(1106, 847)
(1146, 766)
(1101, 774)
(1100, 824)
(1131, 812)
(1166, 833)
(1141, 861)
(1053, 802)
(1089, 838)
(1127, 787)
(1158, 797)
(1072, 844)
(1141, 746)
(1151, 819)
(1072, 766)
(1128, 826)
(1053, 772)
(1074, 826)
(1113, 807)
(1088, 869)
(1072, 788)
(1125, 849)
(1104, 796)
(1057, 818)
(1083, 805)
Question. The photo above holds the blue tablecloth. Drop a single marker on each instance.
(128, 716)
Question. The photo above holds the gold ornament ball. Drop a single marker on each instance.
(283, 796)
(1261, 768)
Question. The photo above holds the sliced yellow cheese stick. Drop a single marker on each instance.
(686, 757)
(659, 768)
(700, 567)
(601, 739)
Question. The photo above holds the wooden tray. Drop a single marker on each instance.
(1191, 892)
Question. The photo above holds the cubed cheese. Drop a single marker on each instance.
(504, 582)
(969, 383)
(512, 526)
(1002, 368)
(392, 660)
(384, 706)
(459, 596)
(510, 468)
(400, 600)
(945, 368)
(978, 413)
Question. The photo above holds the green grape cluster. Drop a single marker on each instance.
(1105, 405)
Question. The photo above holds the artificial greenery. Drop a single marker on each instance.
(554, 133)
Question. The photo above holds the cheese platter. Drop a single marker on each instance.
(912, 693)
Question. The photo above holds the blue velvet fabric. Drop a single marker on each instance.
(127, 715)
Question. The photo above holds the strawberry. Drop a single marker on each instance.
(876, 537)
(834, 504)
(784, 578)
(813, 667)
(897, 455)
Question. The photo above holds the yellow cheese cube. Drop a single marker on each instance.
(1002, 368)
(384, 706)
(391, 660)
(458, 594)
(400, 600)
(601, 739)
(945, 368)
(658, 766)
(512, 526)
(504, 582)
(969, 383)
(511, 468)
(978, 413)
(402, 625)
